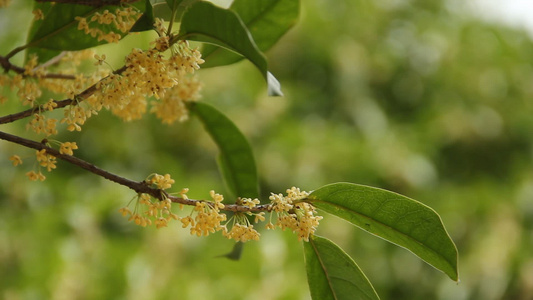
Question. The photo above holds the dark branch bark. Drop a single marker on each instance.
(60, 104)
(137, 186)
(96, 3)
(8, 66)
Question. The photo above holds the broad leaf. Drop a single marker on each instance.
(235, 253)
(146, 21)
(42, 54)
(267, 21)
(163, 8)
(393, 217)
(205, 22)
(236, 159)
(332, 274)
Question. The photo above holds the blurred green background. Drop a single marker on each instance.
(418, 97)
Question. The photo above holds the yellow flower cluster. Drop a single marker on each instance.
(67, 148)
(241, 228)
(149, 73)
(147, 208)
(121, 20)
(295, 214)
(161, 182)
(44, 159)
(207, 217)
(153, 209)
(32, 83)
(42, 124)
(172, 106)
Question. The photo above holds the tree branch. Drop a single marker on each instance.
(95, 3)
(137, 186)
(60, 104)
(8, 66)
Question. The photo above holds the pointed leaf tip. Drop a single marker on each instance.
(393, 217)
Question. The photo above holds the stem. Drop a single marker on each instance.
(91, 2)
(16, 50)
(172, 17)
(137, 186)
(7, 66)
(60, 104)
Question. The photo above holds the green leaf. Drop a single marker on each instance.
(236, 159)
(393, 217)
(163, 8)
(42, 54)
(332, 274)
(205, 22)
(146, 21)
(235, 253)
(267, 21)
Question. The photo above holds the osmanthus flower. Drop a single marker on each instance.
(148, 209)
(46, 160)
(34, 176)
(207, 217)
(162, 182)
(241, 229)
(16, 160)
(121, 20)
(294, 213)
(67, 148)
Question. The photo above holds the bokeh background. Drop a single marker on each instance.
(419, 97)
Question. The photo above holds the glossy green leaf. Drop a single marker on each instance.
(42, 54)
(146, 21)
(332, 274)
(235, 253)
(236, 158)
(163, 8)
(205, 22)
(393, 217)
(267, 21)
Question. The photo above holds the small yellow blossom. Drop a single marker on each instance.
(125, 211)
(67, 147)
(50, 105)
(161, 222)
(34, 176)
(242, 233)
(162, 182)
(100, 59)
(16, 160)
(294, 214)
(46, 160)
(38, 14)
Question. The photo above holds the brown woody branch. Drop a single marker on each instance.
(95, 3)
(60, 103)
(137, 186)
(8, 66)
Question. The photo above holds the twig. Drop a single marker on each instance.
(7, 66)
(137, 186)
(60, 103)
(96, 3)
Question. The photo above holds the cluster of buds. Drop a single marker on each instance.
(206, 217)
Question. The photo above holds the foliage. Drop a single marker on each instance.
(386, 96)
